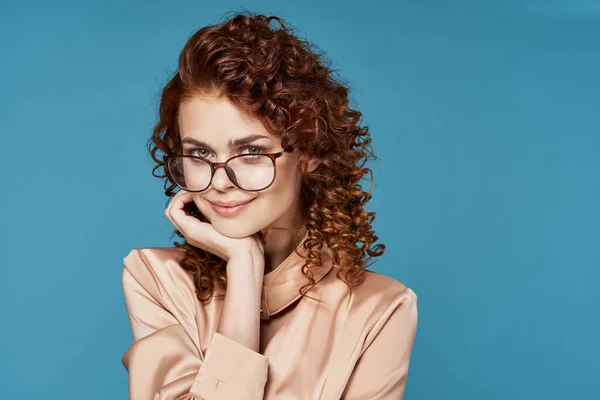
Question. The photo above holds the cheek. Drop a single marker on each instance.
(286, 181)
(203, 207)
(287, 172)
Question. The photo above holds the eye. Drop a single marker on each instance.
(259, 149)
(195, 151)
(204, 153)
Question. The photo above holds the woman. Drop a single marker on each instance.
(268, 297)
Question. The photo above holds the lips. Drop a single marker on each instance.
(230, 211)
(229, 203)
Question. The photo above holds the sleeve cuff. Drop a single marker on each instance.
(231, 371)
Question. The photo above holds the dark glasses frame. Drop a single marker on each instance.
(215, 165)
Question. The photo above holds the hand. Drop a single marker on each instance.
(240, 315)
(205, 236)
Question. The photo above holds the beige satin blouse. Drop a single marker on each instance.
(350, 346)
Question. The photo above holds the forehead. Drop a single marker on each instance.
(217, 121)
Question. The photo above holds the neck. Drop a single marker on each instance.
(278, 246)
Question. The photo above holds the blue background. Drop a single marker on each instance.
(486, 119)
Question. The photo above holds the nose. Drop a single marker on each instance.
(221, 180)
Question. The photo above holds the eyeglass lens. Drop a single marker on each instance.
(248, 172)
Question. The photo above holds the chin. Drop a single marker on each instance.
(234, 229)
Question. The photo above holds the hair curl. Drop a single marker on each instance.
(282, 81)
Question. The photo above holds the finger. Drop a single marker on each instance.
(173, 200)
(168, 210)
(181, 219)
(175, 209)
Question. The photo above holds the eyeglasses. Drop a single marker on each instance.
(249, 172)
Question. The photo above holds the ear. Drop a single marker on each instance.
(313, 164)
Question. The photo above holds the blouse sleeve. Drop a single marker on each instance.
(165, 360)
(381, 372)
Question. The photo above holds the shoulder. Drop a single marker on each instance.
(151, 257)
(157, 270)
(384, 301)
(377, 299)
(152, 260)
(383, 290)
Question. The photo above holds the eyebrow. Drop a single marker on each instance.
(231, 143)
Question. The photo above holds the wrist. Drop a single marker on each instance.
(246, 272)
(253, 254)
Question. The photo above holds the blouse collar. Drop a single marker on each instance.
(281, 285)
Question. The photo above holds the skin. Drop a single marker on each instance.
(233, 238)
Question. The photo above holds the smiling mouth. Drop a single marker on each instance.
(231, 206)
(229, 211)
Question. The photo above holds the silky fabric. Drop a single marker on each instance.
(351, 345)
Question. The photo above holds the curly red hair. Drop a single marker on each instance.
(281, 80)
